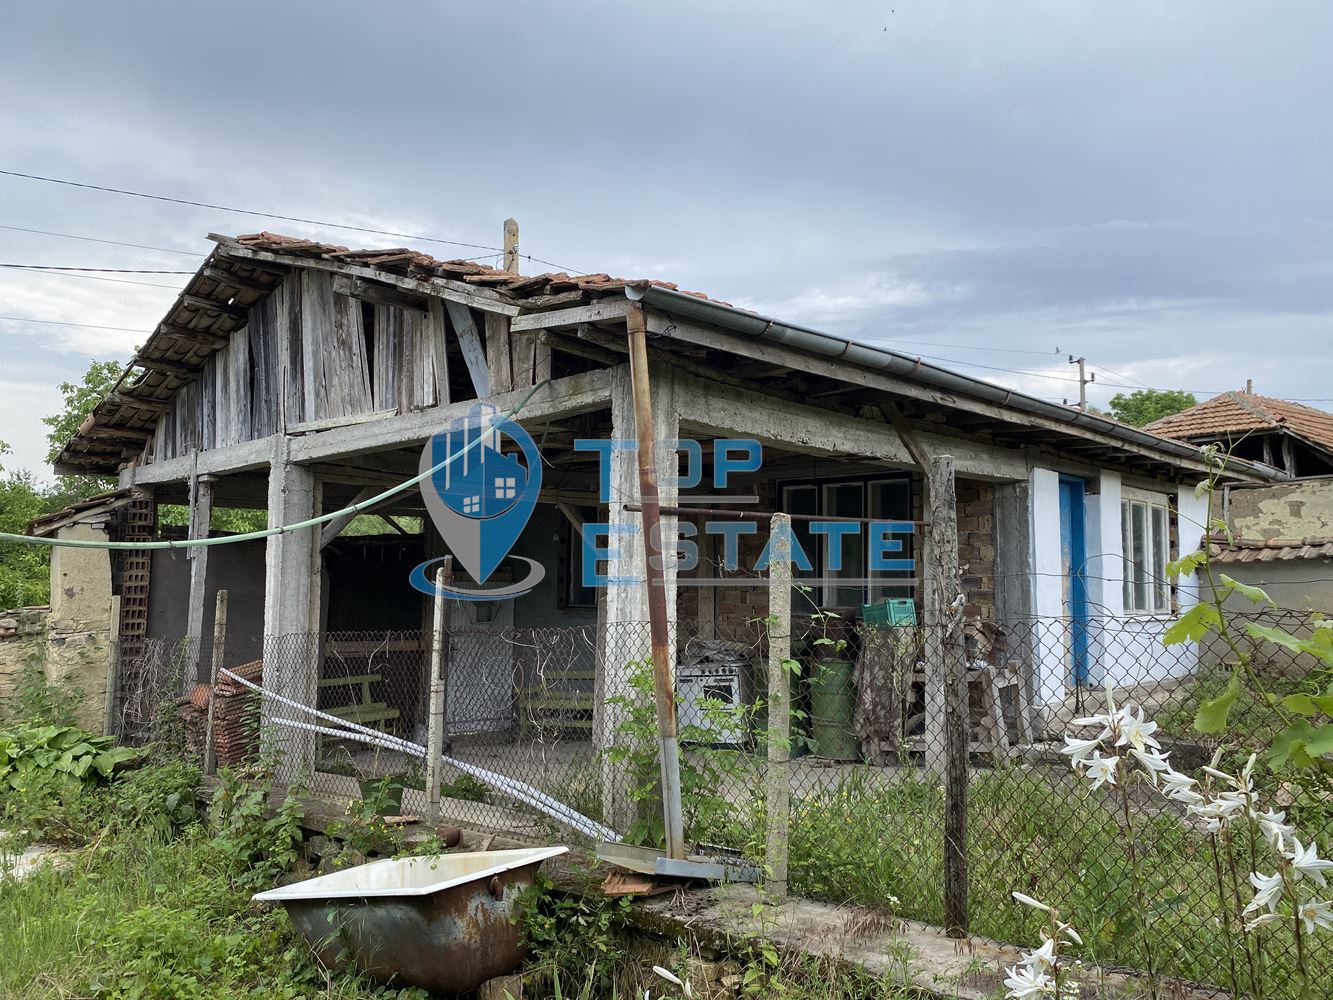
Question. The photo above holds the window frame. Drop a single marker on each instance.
(867, 482)
(1152, 594)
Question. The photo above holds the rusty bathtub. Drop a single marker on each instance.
(444, 922)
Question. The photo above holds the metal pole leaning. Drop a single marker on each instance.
(637, 328)
(778, 792)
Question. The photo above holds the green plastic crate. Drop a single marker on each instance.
(890, 612)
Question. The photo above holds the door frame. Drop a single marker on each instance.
(1074, 557)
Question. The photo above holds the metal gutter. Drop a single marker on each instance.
(801, 338)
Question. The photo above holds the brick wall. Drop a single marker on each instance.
(976, 546)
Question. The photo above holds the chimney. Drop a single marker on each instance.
(1249, 387)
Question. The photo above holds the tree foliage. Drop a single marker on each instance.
(1143, 406)
(25, 569)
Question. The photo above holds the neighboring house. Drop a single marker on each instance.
(1279, 535)
(299, 377)
(1295, 438)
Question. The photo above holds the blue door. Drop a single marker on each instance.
(1073, 559)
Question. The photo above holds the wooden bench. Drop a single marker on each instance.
(554, 706)
(366, 712)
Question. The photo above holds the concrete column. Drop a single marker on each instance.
(1105, 576)
(201, 516)
(1050, 647)
(291, 595)
(623, 637)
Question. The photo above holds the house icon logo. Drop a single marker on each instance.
(486, 478)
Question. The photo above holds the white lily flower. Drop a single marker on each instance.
(1180, 787)
(1080, 750)
(1041, 959)
(1267, 889)
(1102, 770)
(668, 975)
(1265, 918)
(1275, 828)
(1024, 983)
(1098, 720)
(1153, 761)
(1315, 913)
(1306, 864)
(1070, 933)
(1134, 730)
(1027, 900)
(1219, 812)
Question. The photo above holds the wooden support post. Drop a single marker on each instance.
(219, 647)
(778, 791)
(435, 720)
(201, 516)
(945, 665)
(511, 246)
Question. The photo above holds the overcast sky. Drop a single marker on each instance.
(1142, 183)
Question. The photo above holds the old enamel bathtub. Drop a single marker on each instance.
(445, 922)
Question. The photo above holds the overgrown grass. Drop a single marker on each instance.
(868, 841)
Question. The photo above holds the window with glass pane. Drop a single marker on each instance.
(891, 500)
(803, 500)
(1146, 539)
(844, 500)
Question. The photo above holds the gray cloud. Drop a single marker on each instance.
(1142, 183)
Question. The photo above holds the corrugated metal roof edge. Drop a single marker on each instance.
(817, 342)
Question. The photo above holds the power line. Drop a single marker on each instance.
(99, 277)
(95, 239)
(62, 322)
(108, 270)
(268, 215)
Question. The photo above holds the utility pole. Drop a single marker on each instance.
(1083, 381)
(511, 246)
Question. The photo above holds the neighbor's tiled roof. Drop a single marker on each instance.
(1234, 413)
(1248, 550)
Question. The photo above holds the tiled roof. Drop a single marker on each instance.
(1235, 413)
(1249, 550)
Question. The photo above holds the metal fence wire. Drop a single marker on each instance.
(554, 709)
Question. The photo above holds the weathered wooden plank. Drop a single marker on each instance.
(409, 358)
(378, 293)
(287, 319)
(346, 364)
(433, 373)
(265, 368)
(474, 355)
(387, 349)
(445, 288)
(595, 312)
(316, 316)
(499, 353)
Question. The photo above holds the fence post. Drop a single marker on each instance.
(435, 719)
(779, 708)
(945, 652)
(219, 644)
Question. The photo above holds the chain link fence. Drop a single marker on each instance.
(558, 712)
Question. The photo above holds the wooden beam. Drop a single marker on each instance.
(379, 293)
(150, 405)
(576, 347)
(499, 354)
(443, 288)
(474, 355)
(595, 312)
(204, 338)
(332, 529)
(117, 433)
(224, 277)
(202, 304)
(167, 367)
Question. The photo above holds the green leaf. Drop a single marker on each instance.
(1212, 715)
(1256, 595)
(1320, 741)
(1187, 564)
(1301, 704)
(1193, 625)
